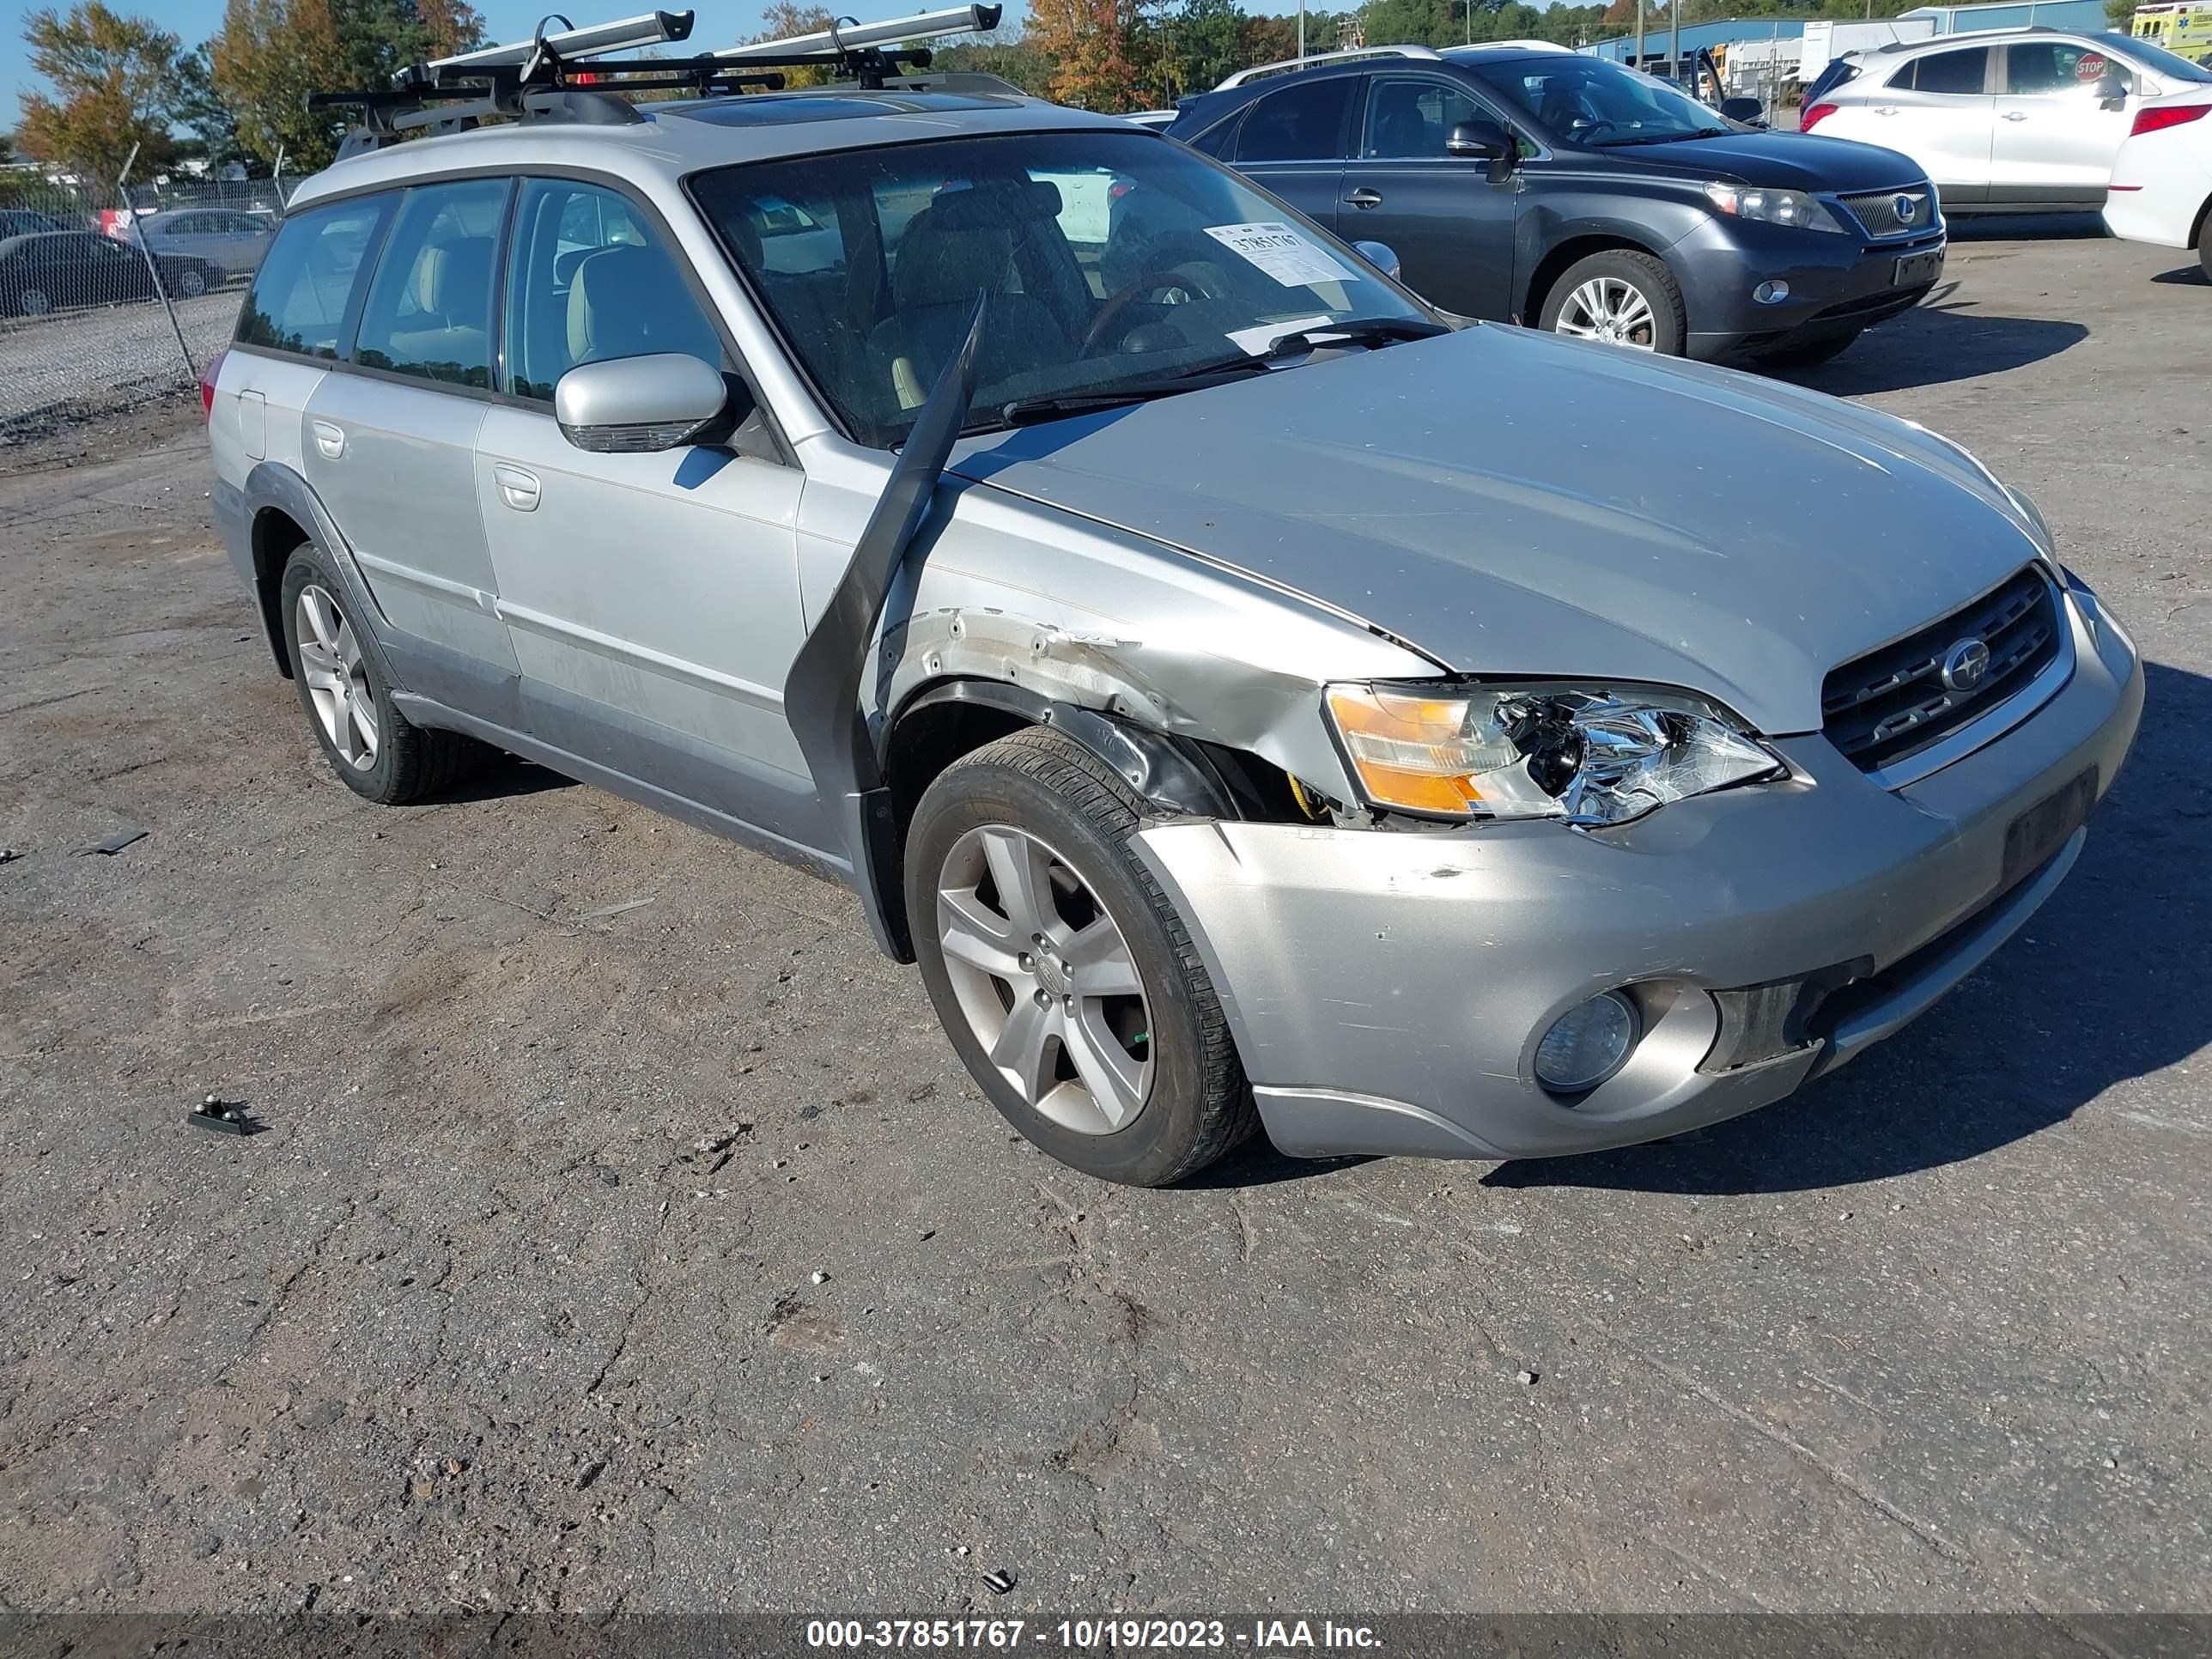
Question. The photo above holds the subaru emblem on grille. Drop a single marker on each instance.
(1907, 208)
(1965, 664)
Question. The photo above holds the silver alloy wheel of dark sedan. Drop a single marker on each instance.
(190, 283)
(35, 302)
(1611, 309)
(337, 682)
(1045, 979)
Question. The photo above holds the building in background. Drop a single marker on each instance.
(2012, 15)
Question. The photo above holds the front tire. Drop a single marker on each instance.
(377, 751)
(188, 282)
(1062, 974)
(1621, 297)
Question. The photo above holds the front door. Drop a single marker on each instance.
(2054, 140)
(1293, 142)
(652, 600)
(391, 451)
(1451, 228)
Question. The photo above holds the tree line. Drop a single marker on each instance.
(122, 84)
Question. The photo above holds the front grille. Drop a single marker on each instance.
(1894, 702)
(1877, 211)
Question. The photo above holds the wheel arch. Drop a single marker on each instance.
(282, 513)
(1569, 251)
(947, 718)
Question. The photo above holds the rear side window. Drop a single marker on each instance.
(301, 297)
(1962, 73)
(590, 280)
(1298, 123)
(429, 311)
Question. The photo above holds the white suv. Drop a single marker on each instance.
(2008, 121)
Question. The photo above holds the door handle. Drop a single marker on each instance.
(2015, 115)
(1364, 198)
(1884, 109)
(517, 488)
(330, 440)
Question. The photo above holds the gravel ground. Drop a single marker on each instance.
(625, 1234)
(102, 355)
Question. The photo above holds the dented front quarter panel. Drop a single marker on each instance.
(1000, 589)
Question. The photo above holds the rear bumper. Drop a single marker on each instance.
(1388, 990)
(1838, 284)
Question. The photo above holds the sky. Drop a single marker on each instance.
(504, 20)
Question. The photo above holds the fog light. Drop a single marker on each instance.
(1769, 294)
(1587, 1044)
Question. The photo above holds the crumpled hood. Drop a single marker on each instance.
(1510, 503)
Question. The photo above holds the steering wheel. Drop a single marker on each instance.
(1148, 282)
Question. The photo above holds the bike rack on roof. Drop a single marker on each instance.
(565, 77)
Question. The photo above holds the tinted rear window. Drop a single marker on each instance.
(301, 297)
(1964, 73)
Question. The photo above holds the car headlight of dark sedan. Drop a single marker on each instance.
(1592, 758)
(1774, 207)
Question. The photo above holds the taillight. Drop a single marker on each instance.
(207, 385)
(1813, 117)
(2157, 120)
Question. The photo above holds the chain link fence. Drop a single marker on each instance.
(109, 296)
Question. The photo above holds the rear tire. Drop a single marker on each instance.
(377, 751)
(189, 281)
(33, 302)
(1078, 914)
(2204, 242)
(1622, 297)
(1808, 356)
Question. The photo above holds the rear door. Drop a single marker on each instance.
(1293, 142)
(651, 600)
(2054, 140)
(1451, 228)
(1938, 108)
(390, 444)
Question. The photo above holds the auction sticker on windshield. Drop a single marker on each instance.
(1281, 252)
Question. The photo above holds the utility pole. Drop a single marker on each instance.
(1302, 28)
(1639, 32)
(1674, 45)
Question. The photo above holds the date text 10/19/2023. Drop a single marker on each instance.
(1258, 1636)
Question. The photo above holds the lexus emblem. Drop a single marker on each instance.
(1965, 664)
(1907, 209)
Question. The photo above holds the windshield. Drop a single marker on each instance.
(1588, 100)
(1110, 257)
(2167, 65)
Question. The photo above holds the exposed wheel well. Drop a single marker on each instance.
(1554, 264)
(276, 536)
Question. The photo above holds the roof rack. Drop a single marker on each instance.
(566, 76)
(1286, 65)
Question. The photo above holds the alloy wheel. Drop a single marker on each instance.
(1045, 979)
(338, 681)
(191, 285)
(1610, 309)
(37, 303)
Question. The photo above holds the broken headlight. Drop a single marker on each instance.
(1591, 757)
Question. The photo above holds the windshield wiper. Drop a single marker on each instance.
(1026, 411)
(1359, 331)
(1658, 138)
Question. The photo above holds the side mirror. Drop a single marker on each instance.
(1748, 111)
(637, 406)
(2112, 92)
(1381, 255)
(1480, 139)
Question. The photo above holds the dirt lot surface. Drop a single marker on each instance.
(625, 1234)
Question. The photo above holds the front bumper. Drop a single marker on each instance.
(1388, 989)
(1838, 284)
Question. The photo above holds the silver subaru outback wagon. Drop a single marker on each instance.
(1251, 696)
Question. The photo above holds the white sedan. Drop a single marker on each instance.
(2161, 187)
